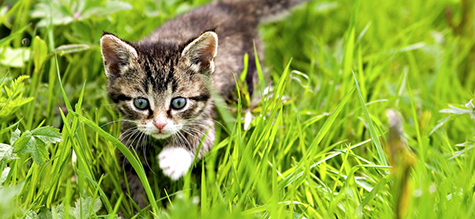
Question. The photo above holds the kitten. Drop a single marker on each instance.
(161, 84)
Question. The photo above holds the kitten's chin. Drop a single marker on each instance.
(161, 135)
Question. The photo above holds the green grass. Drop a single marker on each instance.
(320, 147)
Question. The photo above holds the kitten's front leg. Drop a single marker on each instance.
(176, 159)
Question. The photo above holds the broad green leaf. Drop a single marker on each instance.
(40, 52)
(15, 135)
(5, 152)
(4, 175)
(107, 8)
(59, 13)
(39, 152)
(14, 57)
(27, 144)
(47, 135)
(21, 142)
(45, 213)
(85, 207)
(51, 13)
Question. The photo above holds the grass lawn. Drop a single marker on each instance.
(369, 114)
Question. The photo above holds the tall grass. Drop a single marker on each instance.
(315, 141)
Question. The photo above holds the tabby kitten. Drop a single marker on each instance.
(161, 84)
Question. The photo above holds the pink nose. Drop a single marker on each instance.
(159, 124)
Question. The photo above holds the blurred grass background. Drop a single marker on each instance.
(323, 146)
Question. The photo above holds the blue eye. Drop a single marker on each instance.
(178, 103)
(141, 103)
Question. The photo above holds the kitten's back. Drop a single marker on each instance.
(235, 23)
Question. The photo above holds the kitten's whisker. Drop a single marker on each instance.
(178, 138)
(126, 134)
(123, 137)
(130, 141)
(193, 135)
(137, 141)
(144, 147)
(197, 131)
(219, 123)
(131, 132)
(185, 141)
(131, 128)
(126, 131)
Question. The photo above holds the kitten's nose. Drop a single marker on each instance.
(160, 124)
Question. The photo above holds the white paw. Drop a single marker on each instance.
(175, 162)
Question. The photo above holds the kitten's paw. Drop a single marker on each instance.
(175, 161)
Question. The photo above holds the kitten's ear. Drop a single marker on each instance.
(201, 51)
(116, 53)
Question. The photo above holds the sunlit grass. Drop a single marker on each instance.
(317, 144)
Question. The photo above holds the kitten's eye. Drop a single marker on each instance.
(178, 103)
(141, 103)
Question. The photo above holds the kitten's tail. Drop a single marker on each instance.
(267, 10)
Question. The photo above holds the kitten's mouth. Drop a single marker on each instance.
(162, 132)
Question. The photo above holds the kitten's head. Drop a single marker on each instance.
(160, 87)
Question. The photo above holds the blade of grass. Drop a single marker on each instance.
(374, 137)
(130, 157)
